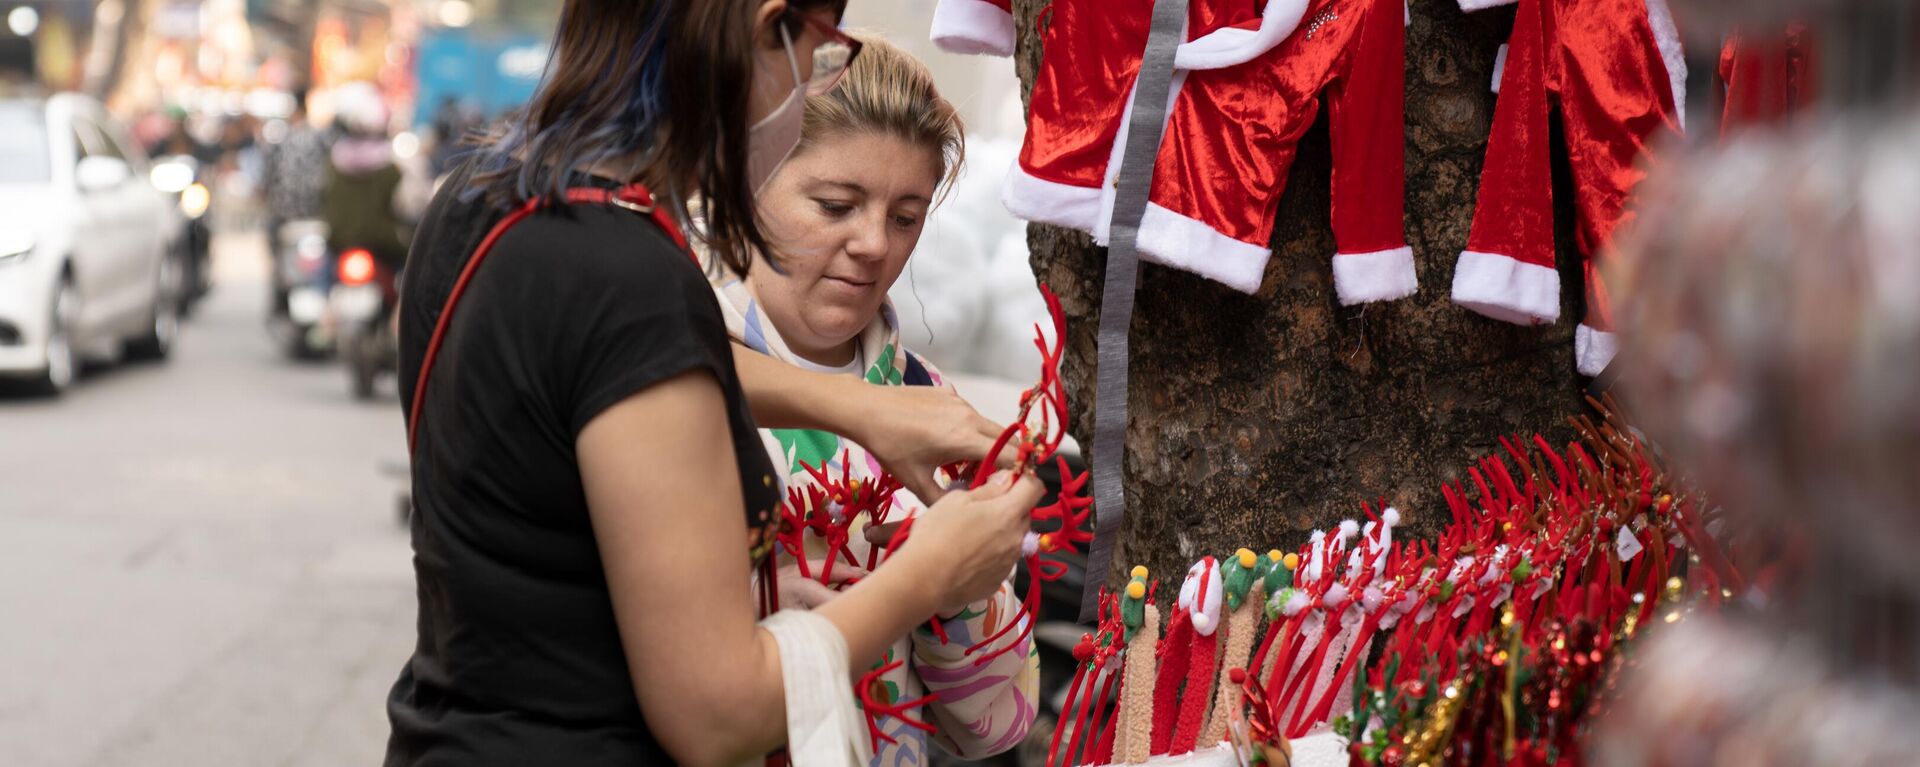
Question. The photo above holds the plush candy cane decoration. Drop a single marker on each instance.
(1133, 739)
(1201, 595)
(1176, 650)
(1246, 595)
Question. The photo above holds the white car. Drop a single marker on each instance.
(87, 263)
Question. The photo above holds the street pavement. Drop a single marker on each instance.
(200, 560)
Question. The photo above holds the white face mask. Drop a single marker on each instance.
(772, 139)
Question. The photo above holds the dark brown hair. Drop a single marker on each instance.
(660, 84)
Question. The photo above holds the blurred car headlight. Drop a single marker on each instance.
(171, 176)
(194, 200)
(14, 247)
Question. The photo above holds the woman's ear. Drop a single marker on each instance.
(766, 30)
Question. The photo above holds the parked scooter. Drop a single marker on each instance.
(362, 304)
(303, 276)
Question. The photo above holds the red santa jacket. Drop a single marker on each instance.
(1616, 72)
(1249, 82)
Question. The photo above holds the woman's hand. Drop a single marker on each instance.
(914, 430)
(969, 540)
(806, 593)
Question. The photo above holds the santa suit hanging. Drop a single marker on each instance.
(1248, 86)
(1766, 79)
(1616, 70)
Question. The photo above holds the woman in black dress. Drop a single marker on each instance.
(590, 495)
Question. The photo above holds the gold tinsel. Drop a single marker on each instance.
(1427, 742)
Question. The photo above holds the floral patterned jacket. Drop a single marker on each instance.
(978, 710)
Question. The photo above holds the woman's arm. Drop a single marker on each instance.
(913, 430)
(662, 489)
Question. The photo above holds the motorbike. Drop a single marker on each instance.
(361, 305)
(302, 278)
(183, 178)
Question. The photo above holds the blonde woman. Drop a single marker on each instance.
(843, 214)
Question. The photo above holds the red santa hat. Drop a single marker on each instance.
(974, 27)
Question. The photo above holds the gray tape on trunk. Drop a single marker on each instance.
(1135, 179)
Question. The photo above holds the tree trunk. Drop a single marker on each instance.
(1256, 419)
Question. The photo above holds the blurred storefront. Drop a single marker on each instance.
(250, 57)
(41, 42)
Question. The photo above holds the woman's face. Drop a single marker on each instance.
(773, 72)
(842, 215)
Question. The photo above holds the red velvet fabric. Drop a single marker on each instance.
(1176, 648)
(1601, 63)
(1767, 77)
(1232, 132)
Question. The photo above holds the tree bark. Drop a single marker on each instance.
(1256, 419)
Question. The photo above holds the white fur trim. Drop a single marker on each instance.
(1049, 202)
(1466, 605)
(1480, 5)
(1233, 45)
(1296, 601)
(1499, 66)
(972, 27)
(1170, 239)
(1496, 567)
(1667, 35)
(1317, 559)
(1383, 543)
(1378, 276)
(1336, 596)
(1505, 289)
(1594, 349)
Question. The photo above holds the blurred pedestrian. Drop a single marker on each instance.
(590, 494)
(294, 172)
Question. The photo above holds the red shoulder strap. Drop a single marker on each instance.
(634, 197)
